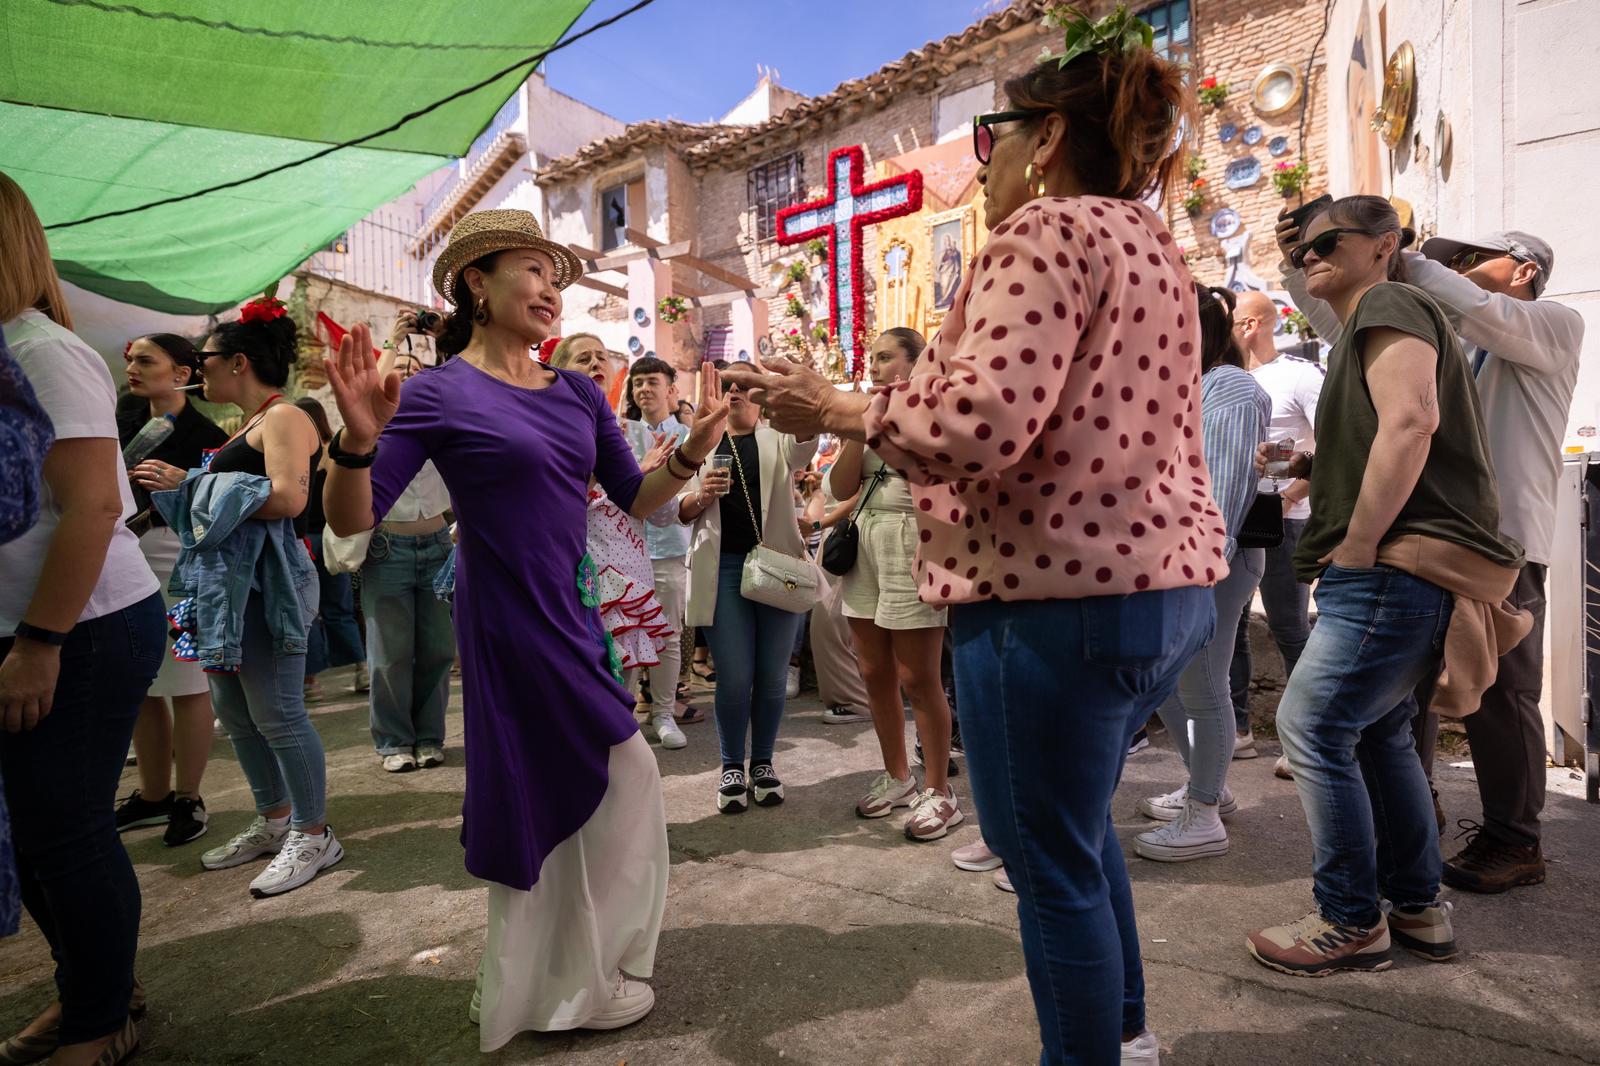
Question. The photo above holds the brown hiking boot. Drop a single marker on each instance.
(1316, 947)
(1488, 865)
(1424, 931)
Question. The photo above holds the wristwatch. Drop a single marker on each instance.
(816, 527)
(43, 636)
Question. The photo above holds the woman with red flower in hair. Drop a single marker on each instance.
(262, 704)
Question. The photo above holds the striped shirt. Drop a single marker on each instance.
(1234, 413)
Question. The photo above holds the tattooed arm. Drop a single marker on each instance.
(1401, 375)
(287, 440)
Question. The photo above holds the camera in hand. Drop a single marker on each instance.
(428, 320)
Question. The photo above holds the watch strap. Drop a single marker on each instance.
(43, 636)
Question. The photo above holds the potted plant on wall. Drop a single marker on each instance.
(817, 247)
(1195, 202)
(1213, 93)
(797, 271)
(672, 309)
(1290, 178)
(1297, 323)
(796, 307)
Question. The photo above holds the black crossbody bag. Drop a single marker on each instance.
(839, 556)
(1263, 523)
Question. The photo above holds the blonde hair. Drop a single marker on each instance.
(27, 276)
(561, 358)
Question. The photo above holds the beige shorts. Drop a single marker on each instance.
(883, 584)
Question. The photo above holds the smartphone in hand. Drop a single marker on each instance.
(1302, 214)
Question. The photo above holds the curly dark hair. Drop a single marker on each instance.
(271, 347)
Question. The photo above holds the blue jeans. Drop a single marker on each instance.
(1049, 695)
(1287, 603)
(1199, 716)
(410, 640)
(335, 638)
(263, 708)
(1345, 721)
(751, 643)
(61, 783)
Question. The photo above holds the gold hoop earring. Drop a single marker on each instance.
(1027, 179)
(480, 312)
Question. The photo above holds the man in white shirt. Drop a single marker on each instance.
(1294, 384)
(1524, 352)
(653, 385)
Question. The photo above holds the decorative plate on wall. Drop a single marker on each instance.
(764, 346)
(1251, 135)
(649, 355)
(1226, 132)
(1225, 223)
(743, 356)
(1242, 172)
(635, 345)
(1278, 146)
(1276, 89)
(640, 317)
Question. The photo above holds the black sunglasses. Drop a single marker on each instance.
(983, 136)
(1469, 259)
(1323, 244)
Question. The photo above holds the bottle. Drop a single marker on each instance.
(148, 439)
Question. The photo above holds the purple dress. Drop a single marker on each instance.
(542, 710)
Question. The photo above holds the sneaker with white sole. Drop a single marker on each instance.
(1426, 932)
(733, 794)
(301, 858)
(885, 795)
(188, 821)
(1281, 768)
(1166, 808)
(1316, 947)
(975, 858)
(429, 756)
(1002, 881)
(401, 762)
(630, 1001)
(765, 788)
(1143, 1049)
(844, 714)
(136, 812)
(791, 689)
(1196, 833)
(259, 838)
(933, 815)
(1244, 746)
(667, 731)
(1140, 741)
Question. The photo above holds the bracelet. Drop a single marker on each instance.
(42, 636)
(343, 458)
(678, 455)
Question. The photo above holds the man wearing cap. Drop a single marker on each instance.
(1524, 352)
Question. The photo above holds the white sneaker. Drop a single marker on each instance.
(844, 714)
(1166, 808)
(975, 857)
(667, 731)
(1002, 881)
(887, 793)
(793, 688)
(1196, 833)
(630, 1001)
(258, 839)
(300, 860)
(401, 762)
(1281, 768)
(1244, 747)
(1143, 1049)
(429, 756)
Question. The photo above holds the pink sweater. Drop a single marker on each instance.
(1051, 430)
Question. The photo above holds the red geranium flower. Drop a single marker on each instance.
(262, 309)
(1209, 83)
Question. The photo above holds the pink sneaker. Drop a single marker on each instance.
(975, 857)
(933, 815)
(1002, 881)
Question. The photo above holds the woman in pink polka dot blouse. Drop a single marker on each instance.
(1051, 432)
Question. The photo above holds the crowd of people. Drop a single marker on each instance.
(1034, 532)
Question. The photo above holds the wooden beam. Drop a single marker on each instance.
(583, 253)
(717, 299)
(616, 260)
(643, 240)
(711, 270)
(589, 282)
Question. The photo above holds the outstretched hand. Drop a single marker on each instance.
(367, 400)
(656, 457)
(795, 398)
(711, 413)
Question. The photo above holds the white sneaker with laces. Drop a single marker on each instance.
(667, 731)
(887, 793)
(1244, 746)
(1166, 808)
(300, 860)
(258, 839)
(1143, 1049)
(429, 756)
(401, 762)
(630, 1001)
(1196, 833)
(792, 689)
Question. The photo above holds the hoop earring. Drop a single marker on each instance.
(480, 312)
(1027, 179)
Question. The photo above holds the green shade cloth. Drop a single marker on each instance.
(109, 105)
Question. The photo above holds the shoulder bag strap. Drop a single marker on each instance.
(755, 515)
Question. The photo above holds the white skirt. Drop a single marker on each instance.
(160, 547)
(554, 951)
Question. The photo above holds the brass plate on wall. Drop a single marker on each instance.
(1393, 114)
(1276, 89)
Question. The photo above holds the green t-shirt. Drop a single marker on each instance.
(1456, 498)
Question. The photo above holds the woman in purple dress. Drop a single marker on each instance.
(563, 812)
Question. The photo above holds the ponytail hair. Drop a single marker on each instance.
(1124, 111)
(1217, 343)
(910, 341)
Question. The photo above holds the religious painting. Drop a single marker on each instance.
(951, 245)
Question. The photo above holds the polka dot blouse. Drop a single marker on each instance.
(1051, 430)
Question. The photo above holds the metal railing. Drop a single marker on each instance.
(503, 120)
(376, 256)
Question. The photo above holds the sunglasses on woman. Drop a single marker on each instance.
(1323, 244)
(983, 135)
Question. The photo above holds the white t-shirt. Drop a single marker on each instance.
(74, 388)
(1294, 384)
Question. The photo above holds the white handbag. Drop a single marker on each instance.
(771, 577)
(344, 555)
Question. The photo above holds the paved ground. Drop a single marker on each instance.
(806, 935)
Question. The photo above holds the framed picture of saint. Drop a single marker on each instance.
(951, 245)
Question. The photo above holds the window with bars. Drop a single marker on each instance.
(1170, 20)
(773, 186)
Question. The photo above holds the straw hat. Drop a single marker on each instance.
(486, 232)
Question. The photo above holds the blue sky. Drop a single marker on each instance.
(694, 59)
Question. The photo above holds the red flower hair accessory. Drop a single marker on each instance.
(548, 348)
(262, 309)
